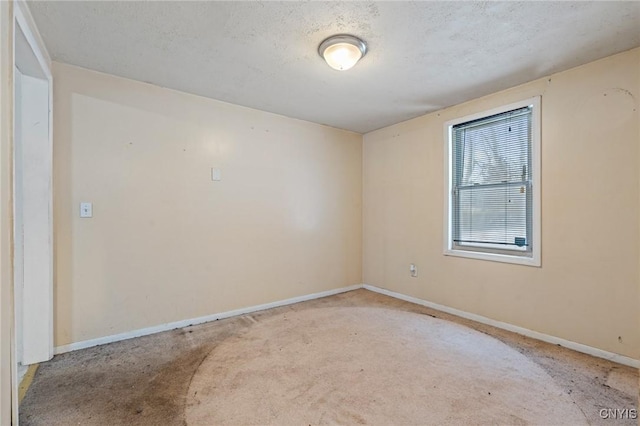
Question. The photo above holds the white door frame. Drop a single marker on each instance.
(6, 239)
(36, 207)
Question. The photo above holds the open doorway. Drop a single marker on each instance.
(32, 201)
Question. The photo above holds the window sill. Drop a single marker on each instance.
(494, 257)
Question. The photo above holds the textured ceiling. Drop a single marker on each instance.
(423, 56)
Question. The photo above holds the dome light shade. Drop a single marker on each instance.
(342, 51)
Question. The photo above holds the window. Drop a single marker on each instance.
(493, 191)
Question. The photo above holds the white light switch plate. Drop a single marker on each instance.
(216, 175)
(86, 210)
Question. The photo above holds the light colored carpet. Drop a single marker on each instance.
(375, 366)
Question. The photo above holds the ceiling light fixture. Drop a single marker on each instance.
(342, 51)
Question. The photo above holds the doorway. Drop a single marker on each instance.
(32, 201)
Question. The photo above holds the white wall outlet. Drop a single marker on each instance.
(86, 210)
(413, 270)
(216, 175)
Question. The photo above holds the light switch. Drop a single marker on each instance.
(216, 175)
(86, 210)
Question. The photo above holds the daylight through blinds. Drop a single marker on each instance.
(492, 181)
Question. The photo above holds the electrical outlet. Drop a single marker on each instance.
(413, 270)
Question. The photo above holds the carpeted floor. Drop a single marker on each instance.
(354, 358)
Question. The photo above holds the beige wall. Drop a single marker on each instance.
(165, 242)
(587, 289)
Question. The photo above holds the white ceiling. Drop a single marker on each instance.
(423, 56)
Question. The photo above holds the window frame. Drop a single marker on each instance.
(531, 258)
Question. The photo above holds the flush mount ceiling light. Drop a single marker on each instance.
(342, 51)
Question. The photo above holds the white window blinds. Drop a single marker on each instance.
(491, 177)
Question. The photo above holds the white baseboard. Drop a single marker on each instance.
(188, 322)
(620, 359)
(22, 370)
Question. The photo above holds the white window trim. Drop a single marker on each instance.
(534, 259)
